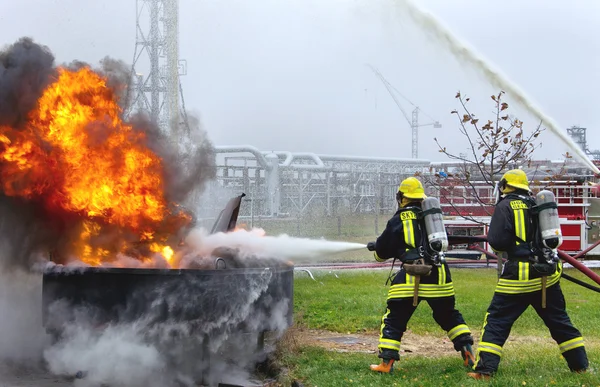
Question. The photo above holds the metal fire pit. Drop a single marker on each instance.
(232, 296)
(195, 297)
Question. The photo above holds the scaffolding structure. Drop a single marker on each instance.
(282, 184)
(579, 135)
(292, 184)
(156, 65)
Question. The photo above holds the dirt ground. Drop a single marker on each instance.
(412, 344)
(12, 375)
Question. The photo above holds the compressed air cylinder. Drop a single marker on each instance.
(549, 223)
(434, 225)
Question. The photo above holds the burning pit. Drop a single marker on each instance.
(97, 199)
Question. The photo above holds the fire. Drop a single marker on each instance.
(166, 251)
(78, 158)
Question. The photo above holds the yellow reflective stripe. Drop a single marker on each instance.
(571, 344)
(447, 286)
(387, 312)
(523, 271)
(484, 322)
(457, 331)
(517, 225)
(517, 283)
(482, 333)
(409, 236)
(442, 275)
(383, 342)
(489, 347)
(523, 227)
(421, 295)
(421, 291)
(425, 290)
(377, 258)
(389, 344)
(520, 230)
(516, 287)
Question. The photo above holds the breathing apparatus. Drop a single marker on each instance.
(548, 235)
(437, 240)
(544, 210)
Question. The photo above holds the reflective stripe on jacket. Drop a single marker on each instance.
(435, 285)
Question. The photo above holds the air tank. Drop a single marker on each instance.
(434, 225)
(549, 223)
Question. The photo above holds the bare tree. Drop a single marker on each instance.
(499, 144)
(493, 147)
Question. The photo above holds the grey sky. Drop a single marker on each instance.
(292, 74)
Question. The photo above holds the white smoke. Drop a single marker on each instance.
(22, 337)
(256, 243)
(154, 351)
(116, 355)
(436, 29)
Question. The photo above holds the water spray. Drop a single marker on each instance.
(255, 242)
(468, 55)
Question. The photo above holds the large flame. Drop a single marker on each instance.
(79, 159)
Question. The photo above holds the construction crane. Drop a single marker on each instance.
(413, 121)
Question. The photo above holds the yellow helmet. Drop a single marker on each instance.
(515, 178)
(411, 188)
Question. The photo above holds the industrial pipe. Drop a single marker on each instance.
(242, 149)
(374, 159)
(484, 251)
(579, 266)
(291, 156)
(584, 252)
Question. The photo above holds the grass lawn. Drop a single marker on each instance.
(354, 301)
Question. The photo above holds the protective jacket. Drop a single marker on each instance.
(403, 239)
(512, 229)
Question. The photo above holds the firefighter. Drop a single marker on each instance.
(526, 279)
(403, 239)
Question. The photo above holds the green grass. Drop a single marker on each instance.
(522, 366)
(355, 300)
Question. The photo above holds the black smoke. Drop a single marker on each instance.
(26, 68)
(30, 233)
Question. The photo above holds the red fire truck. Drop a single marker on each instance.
(468, 210)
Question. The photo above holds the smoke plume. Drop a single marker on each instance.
(25, 70)
(162, 348)
(33, 168)
(462, 52)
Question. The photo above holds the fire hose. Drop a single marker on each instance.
(572, 260)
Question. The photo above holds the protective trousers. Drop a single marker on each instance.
(400, 310)
(505, 309)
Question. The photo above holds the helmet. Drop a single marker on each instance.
(515, 178)
(411, 188)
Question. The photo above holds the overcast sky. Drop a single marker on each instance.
(292, 75)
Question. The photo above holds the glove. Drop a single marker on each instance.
(371, 246)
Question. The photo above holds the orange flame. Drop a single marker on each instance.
(78, 157)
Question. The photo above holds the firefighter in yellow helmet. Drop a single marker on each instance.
(404, 238)
(513, 229)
